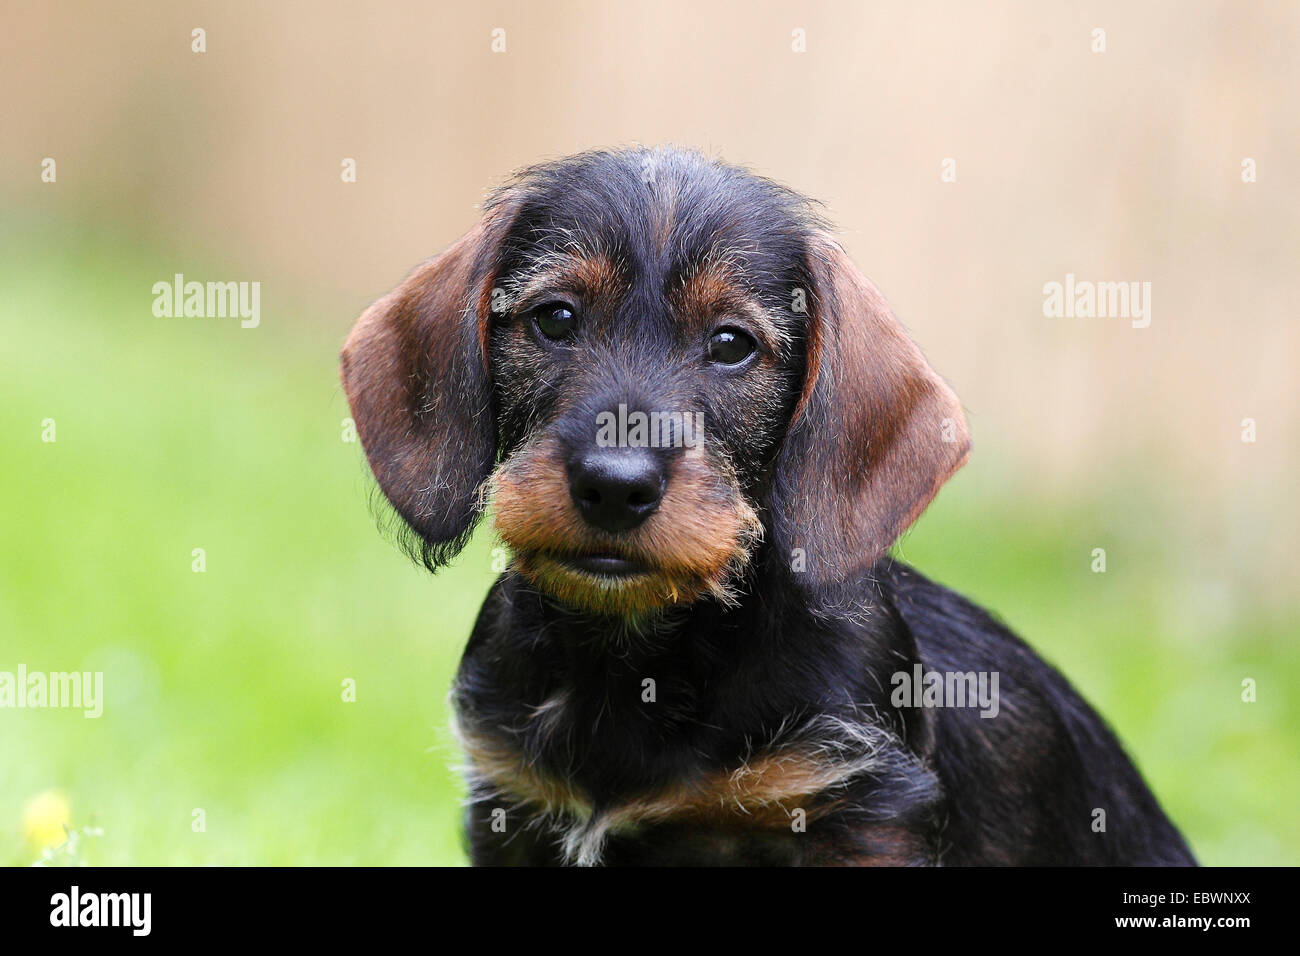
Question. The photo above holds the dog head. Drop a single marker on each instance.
(650, 362)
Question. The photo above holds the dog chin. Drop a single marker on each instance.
(610, 586)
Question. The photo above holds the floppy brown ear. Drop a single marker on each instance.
(416, 376)
(875, 433)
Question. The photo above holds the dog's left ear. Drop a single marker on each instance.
(874, 434)
(416, 375)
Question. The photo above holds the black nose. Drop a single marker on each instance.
(616, 489)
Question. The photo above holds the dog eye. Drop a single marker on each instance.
(555, 320)
(730, 346)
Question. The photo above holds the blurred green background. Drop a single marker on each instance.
(224, 688)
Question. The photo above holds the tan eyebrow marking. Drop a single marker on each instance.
(592, 278)
(717, 289)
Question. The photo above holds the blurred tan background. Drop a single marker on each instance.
(1123, 165)
(1117, 166)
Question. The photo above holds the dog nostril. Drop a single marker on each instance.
(639, 498)
(616, 490)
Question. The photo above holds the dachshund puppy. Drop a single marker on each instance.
(700, 429)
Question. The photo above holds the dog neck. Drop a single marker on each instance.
(621, 707)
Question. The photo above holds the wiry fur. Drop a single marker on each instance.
(695, 545)
(730, 701)
(797, 770)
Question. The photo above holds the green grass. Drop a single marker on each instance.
(223, 690)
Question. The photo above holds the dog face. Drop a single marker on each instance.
(650, 363)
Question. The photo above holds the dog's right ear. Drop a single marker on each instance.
(875, 434)
(415, 369)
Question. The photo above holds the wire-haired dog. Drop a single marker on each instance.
(700, 430)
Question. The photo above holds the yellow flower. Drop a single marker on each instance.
(44, 817)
